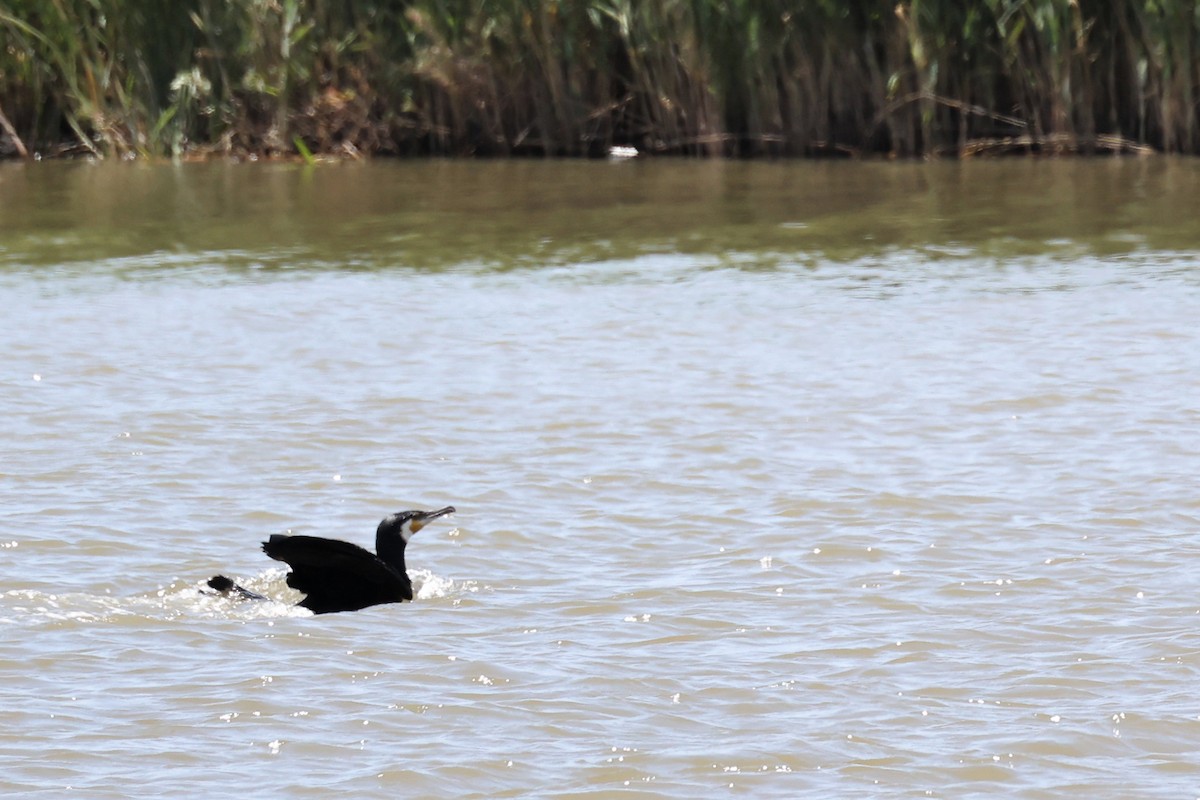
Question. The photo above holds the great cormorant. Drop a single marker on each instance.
(340, 576)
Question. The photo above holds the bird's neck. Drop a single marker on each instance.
(391, 552)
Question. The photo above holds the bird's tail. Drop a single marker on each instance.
(227, 588)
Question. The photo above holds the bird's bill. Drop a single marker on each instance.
(425, 517)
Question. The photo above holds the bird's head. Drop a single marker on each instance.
(405, 523)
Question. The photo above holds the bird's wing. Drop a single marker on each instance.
(336, 575)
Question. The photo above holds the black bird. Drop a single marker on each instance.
(340, 576)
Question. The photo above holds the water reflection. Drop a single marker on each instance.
(531, 214)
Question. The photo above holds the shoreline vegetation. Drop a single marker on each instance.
(733, 78)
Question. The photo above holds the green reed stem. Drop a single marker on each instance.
(550, 77)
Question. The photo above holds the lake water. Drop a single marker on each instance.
(773, 479)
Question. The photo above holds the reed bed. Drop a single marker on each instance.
(548, 77)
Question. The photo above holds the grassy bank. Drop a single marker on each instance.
(499, 77)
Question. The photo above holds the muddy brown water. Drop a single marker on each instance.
(773, 479)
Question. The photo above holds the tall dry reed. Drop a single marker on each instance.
(550, 77)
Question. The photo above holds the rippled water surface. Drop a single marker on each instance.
(773, 480)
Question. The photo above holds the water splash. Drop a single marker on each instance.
(427, 586)
(181, 599)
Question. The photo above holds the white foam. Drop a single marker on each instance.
(427, 586)
(191, 598)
